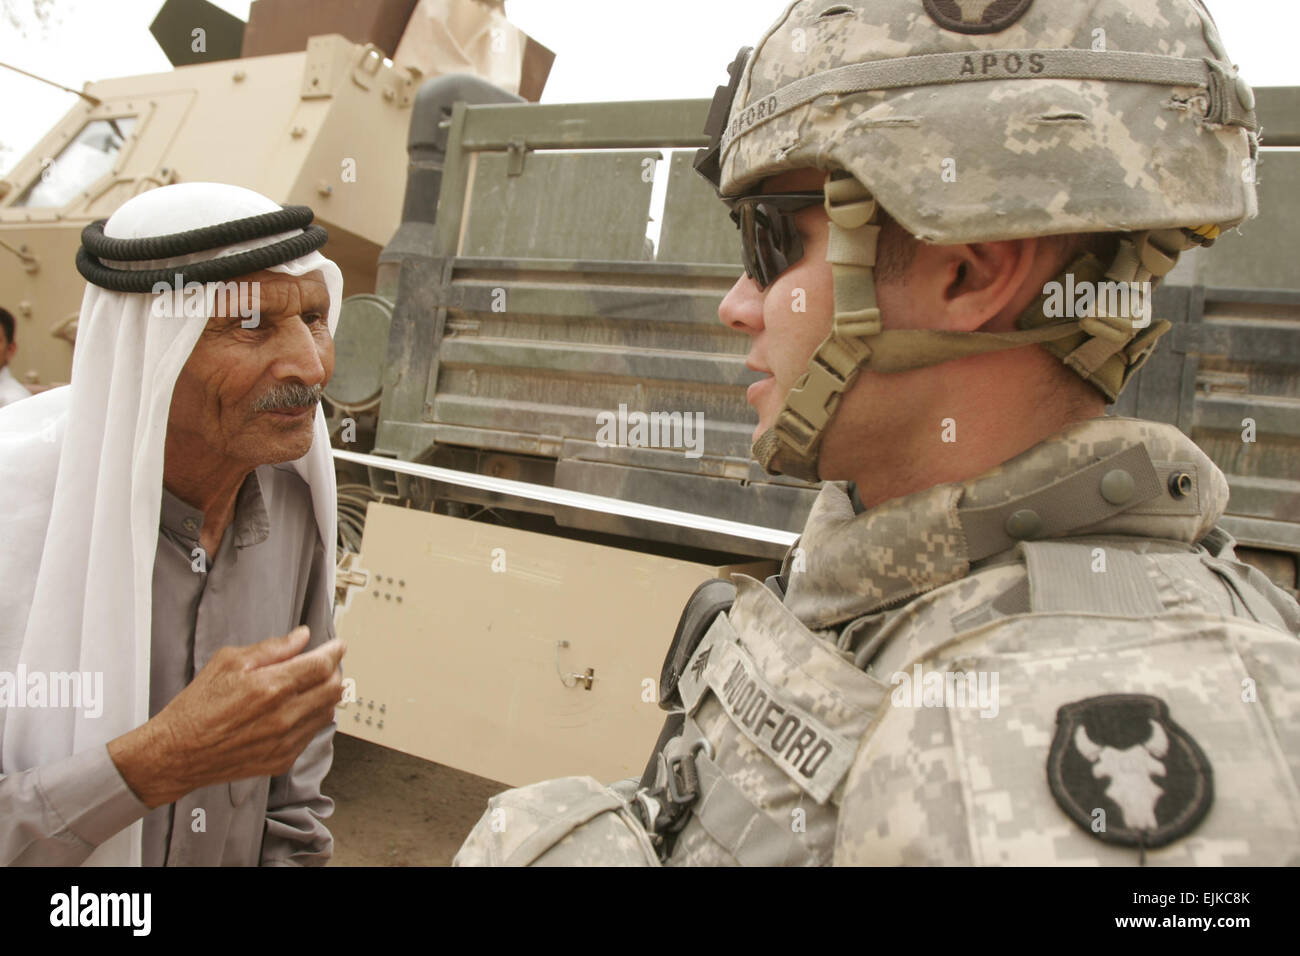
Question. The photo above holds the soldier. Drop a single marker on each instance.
(1011, 631)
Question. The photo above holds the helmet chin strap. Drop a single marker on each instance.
(1103, 349)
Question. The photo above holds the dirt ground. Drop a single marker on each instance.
(391, 809)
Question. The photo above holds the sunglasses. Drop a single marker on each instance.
(769, 239)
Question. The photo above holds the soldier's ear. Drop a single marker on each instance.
(965, 287)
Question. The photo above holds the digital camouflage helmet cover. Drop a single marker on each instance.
(1056, 117)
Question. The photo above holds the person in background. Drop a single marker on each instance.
(11, 390)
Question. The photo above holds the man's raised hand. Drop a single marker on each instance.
(249, 713)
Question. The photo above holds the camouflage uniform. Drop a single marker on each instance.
(1059, 661)
(1147, 599)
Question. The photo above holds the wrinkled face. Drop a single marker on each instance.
(250, 394)
(790, 318)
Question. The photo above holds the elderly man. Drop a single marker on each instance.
(11, 390)
(1011, 631)
(168, 671)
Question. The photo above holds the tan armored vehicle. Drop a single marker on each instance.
(320, 120)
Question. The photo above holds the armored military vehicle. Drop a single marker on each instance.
(543, 440)
(306, 104)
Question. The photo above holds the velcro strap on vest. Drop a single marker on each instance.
(1073, 502)
(1068, 577)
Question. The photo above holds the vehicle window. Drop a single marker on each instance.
(80, 164)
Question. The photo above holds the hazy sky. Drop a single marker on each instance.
(605, 49)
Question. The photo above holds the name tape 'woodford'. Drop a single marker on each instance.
(813, 756)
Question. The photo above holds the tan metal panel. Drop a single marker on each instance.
(457, 662)
(279, 26)
(45, 302)
(341, 150)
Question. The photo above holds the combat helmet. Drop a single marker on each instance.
(981, 120)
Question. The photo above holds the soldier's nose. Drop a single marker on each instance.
(742, 307)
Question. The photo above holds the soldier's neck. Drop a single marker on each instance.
(965, 445)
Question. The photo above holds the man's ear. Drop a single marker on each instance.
(966, 287)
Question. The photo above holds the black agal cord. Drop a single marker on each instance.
(95, 247)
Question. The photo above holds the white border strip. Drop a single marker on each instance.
(574, 499)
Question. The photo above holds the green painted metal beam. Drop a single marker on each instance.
(1278, 110)
(650, 124)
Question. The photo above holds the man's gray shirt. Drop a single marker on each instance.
(267, 577)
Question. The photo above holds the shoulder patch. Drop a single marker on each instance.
(976, 16)
(1126, 773)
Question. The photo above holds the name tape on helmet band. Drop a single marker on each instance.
(939, 68)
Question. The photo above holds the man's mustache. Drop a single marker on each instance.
(288, 396)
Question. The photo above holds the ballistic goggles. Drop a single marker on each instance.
(769, 239)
